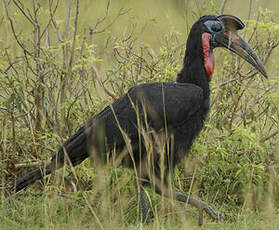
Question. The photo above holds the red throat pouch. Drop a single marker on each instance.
(208, 58)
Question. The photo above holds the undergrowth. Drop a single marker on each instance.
(54, 77)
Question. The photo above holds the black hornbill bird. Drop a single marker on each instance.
(170, 114)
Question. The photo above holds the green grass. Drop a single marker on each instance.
(55, 210)
(232, 165)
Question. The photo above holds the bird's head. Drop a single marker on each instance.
(221, 31)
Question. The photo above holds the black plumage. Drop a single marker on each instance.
(168, 115)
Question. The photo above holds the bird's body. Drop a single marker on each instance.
(176, 110)
(169, 115)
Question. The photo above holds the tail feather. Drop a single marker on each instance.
(75, 148)
(32, 176)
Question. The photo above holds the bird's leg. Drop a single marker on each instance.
(200, 205)
(145, 217)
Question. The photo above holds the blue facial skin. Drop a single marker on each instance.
(214, 27)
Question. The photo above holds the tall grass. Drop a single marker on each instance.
(62, 65)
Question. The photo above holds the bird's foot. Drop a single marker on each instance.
(214, 215)
(147, 218)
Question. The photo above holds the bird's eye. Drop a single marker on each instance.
(216, 27)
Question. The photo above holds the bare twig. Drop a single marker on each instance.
(222, 7)
(107, 91)
(6, 110)
(13, 30)
(74, 36)
(26, 165)
(59, 36)
(50, 20)
(100, 20)
(20, 7)
(93, 30)
(120, 13)
(262, 140)
(67, 29)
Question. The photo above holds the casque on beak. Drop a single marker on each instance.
(231, 40)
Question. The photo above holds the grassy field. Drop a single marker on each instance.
(64, 61)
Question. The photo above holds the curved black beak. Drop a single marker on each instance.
(232, 41)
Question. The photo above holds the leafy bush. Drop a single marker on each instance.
(53, 78)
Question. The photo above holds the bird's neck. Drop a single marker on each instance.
(193, 70)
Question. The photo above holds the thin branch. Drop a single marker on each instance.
(23, 12)
(100, 20)
(222, 7)
(11, 64)
(93, 30)
(74, 37)
(6, 110)
(61, 40)
(107, 91)
(67, 29)
(13, 30)
(50, 20)
(27, 165)
(120, 13)
(262, 140)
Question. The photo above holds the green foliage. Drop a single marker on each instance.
(234, 167)
(64, 79)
